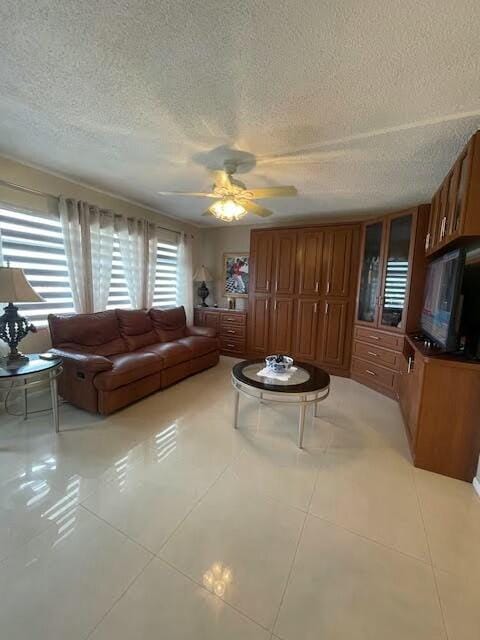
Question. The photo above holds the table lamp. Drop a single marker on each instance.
(202, 275)
(13, 328)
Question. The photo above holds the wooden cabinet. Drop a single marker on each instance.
(334, 342)
(307, 310)
(390, 293)
(336, 276)
(261, 254)
(440, 402)
(310, 261)
(307, 318)
(281, 325)
(455, 206)
(231, 326)
(284, 251)
(259, 325)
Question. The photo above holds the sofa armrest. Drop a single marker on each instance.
(87, 362)
(208, 332)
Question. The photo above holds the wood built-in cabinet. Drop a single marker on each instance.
(231, 326)
(390, 293)
(302, 293)
(455, 211)
(440, 401)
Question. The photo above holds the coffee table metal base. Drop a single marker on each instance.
(303, 400)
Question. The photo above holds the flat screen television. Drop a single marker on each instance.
(441, 299)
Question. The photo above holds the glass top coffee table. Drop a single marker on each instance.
(306, 385)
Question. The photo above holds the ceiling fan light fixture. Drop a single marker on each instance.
(227, 210)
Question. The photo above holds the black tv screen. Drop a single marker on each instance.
(440, 303)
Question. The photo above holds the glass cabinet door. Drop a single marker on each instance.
(395, 280)
(370, 273)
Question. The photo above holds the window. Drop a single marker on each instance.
(165, 292)
(35, 244)
(118, 296)
(396, 284)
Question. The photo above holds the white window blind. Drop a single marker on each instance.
(396, 284)
(118, 296)
(165, 292)
(35, 244)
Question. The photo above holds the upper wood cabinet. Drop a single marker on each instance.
(455, 210)
(284, 252)
(261, 254)
(310, 261)
(336, 276)
(390, 290)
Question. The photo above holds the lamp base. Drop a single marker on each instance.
(203, 293)
(14, 328)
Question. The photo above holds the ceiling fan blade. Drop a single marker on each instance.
(253, 207)
(222, 180)
(199, 194)
(273, 192)
(207, 213)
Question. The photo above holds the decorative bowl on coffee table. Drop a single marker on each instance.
(278, 363)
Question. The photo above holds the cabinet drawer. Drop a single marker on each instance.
(233, 345)
(382, 339)
(376, 374)
(377, 354)
(231, 330)
(233, 318)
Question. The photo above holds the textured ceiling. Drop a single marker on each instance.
(362, 105)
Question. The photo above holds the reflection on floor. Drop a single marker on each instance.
(162, 521)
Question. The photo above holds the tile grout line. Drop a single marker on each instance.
(425, 562)
(292, 564)
(194, 506)
(132, 581)
(437, 589)
(201, 586)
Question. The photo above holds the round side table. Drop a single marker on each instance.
(14, 374)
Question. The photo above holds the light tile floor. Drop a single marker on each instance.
(108, 529)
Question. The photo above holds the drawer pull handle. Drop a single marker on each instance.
(230, 330)
(231, 345)
(374, 337)
(372, 353)
(372, 373)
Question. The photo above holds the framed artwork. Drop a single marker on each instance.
(235, 275)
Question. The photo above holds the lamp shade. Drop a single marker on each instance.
(202, 275)
(14, 287)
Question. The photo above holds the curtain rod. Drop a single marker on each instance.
(19, 187)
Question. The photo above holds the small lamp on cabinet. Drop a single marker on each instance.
(203, 276)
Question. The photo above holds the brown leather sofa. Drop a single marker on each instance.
(113, 358)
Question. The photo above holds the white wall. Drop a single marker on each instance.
(42, 181)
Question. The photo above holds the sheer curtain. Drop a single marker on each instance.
(101, 248)
(185, 275)
(75, 217)
(131, 234)
(151, 239)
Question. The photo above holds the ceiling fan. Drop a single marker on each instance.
(232, 199)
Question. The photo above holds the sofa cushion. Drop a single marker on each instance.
(136, 328)
(96, 333)
(199, 345)
(127, 368)
(172, 353)
(169, 324)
